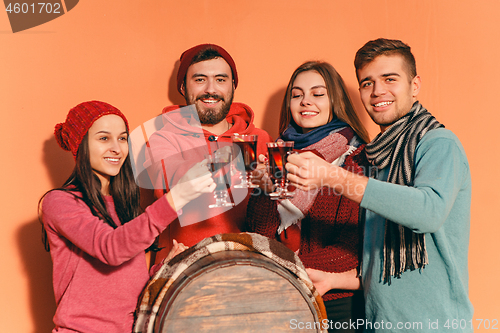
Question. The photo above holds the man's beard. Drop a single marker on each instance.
(212, 116)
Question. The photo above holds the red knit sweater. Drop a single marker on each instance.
(329, 234)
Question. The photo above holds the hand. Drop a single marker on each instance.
(324, 281)
(307, 171)
(195, 182)
(261, 177)
(175, 250)
(320, 279)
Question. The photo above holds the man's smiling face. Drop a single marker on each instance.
(209, 86)
(386, 90)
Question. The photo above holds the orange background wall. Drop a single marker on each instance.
(125, 52)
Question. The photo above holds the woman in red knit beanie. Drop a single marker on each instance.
(93, 226)
(320, 226)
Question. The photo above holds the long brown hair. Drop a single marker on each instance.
(85, 186)
(340, 103)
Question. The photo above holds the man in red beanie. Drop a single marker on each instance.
(207, 78)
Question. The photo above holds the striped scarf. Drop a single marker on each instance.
(403, 248)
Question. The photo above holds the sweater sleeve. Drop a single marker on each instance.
(441, 169)
(69, 217)
(166, 161)
(262, 215)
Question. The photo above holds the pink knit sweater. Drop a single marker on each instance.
(98, 272)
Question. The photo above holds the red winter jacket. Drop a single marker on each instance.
(177, 147)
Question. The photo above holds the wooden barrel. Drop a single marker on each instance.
(231, 283)
(236, 291)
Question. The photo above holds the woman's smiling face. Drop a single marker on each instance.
(309, 104)
(108, 147)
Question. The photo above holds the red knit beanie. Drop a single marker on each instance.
(70, 134)
(187, 58)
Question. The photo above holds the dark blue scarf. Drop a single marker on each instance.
(305, 140)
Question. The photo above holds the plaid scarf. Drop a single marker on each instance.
(334, 149)
(152, 296)
(403, 248)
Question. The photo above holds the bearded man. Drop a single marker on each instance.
(207, 78)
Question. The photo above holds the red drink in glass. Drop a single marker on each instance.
(219, 164)
(246, 146)
(278, 155)
(220, 174)
(248, 151)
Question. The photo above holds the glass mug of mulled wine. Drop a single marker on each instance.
(219, 164)
(278, 155)
(246, 145)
